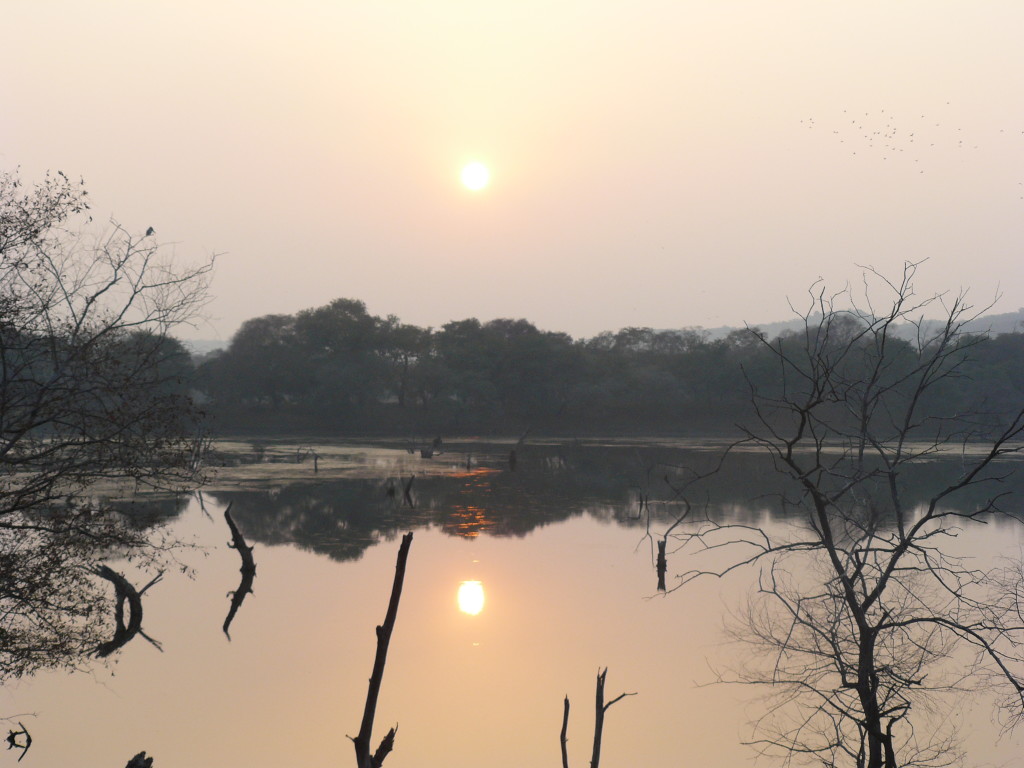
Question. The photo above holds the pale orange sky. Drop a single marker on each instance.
(661, 164)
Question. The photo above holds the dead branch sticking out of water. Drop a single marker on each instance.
(662, 565)
(124, 592)
(364, 759)
(248, 570)
(565, 729)
(140, 761)
(302, 453)
(513, 456)
(601, 708)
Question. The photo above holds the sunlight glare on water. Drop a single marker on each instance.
(471, 597)
(571, 588)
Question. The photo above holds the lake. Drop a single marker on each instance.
(560, 548)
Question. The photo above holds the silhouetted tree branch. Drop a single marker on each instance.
(93, 390)
(563, 737)
(865, 611)
(601, 707)
(364, 758)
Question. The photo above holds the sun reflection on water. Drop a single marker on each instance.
(471, 597)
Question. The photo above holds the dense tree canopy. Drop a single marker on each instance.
(339, 368)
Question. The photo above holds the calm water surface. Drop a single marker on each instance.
(569, 584)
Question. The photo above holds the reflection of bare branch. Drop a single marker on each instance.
(407, 493)
(678, 495)
(662, 565)
(202, 506)
(13, 743)
(124, 592)
(364, 759)
(248, 570)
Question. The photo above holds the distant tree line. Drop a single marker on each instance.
(339, 368)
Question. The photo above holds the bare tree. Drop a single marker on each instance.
(865, 610)
(92, 393)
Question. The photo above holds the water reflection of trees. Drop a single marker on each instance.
(553, 482)
(56, 612)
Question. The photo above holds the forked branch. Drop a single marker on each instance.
(601, 706)
(364, 758)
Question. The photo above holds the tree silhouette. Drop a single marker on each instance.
(92, 390)
(866, 611)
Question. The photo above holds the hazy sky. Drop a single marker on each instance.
(663, 164)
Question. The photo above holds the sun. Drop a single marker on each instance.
(475, 176)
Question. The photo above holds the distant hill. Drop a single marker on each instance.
(992, 325)
(204, 346)
(1007, 322)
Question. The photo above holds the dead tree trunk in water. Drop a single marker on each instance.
(601, 708)
(364, 759)
(565, 728)
(513, 456)
(662, 565)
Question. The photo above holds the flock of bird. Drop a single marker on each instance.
(918, 139)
